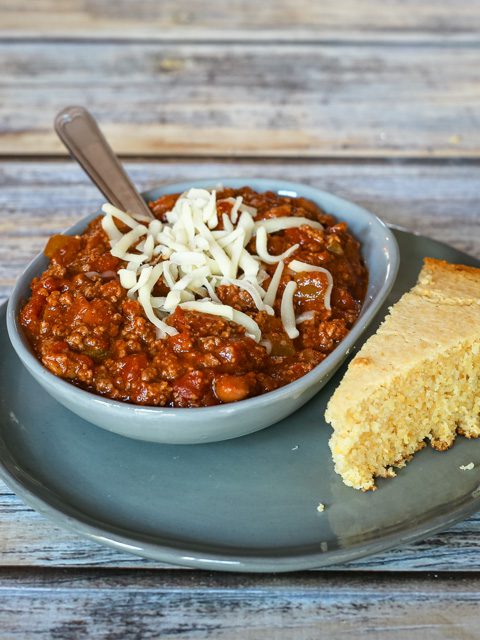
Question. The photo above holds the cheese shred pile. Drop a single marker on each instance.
(191, 257)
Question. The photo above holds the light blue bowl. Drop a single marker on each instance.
(210, 424)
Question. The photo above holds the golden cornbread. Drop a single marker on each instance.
(417, 378)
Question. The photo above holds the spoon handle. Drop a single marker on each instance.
(80, 133)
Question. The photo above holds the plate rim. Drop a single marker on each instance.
(191, 558)
(182, 555)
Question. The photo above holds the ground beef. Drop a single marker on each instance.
(84, 329)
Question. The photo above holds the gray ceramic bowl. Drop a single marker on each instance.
(209, 424)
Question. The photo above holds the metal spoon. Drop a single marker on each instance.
(80, 133)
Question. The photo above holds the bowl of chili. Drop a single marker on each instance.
(221, 364)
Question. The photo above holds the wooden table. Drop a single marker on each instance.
(376, 101)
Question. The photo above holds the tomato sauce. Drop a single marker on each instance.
(84, 328)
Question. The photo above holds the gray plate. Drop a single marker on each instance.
(248, 504)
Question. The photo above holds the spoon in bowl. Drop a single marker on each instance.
(80, 133)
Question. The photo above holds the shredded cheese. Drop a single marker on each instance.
(306, 315)
(235, 209)
(262, 251)
(251, 290)
(279, 224)
(128, 279)
(267, 344)
(207, 306)
(273, 286)
(120, 248)
(252, 328)
(191, 257)
(296, 265)
(287, 310)
(131, 220)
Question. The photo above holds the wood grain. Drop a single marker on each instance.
(149, 605)
(293, 101)
(280, 79)
(39, 198)
(439, 200)
(242, 19)
(27, 539)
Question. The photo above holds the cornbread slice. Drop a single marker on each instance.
(417, 378)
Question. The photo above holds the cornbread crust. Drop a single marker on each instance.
(417, 378)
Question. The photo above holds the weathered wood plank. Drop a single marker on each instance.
(241, 19)
(244, 100)
(29, 540)
(195, 605)
(39, 198)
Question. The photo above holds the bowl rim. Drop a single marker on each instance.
(292, 389)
